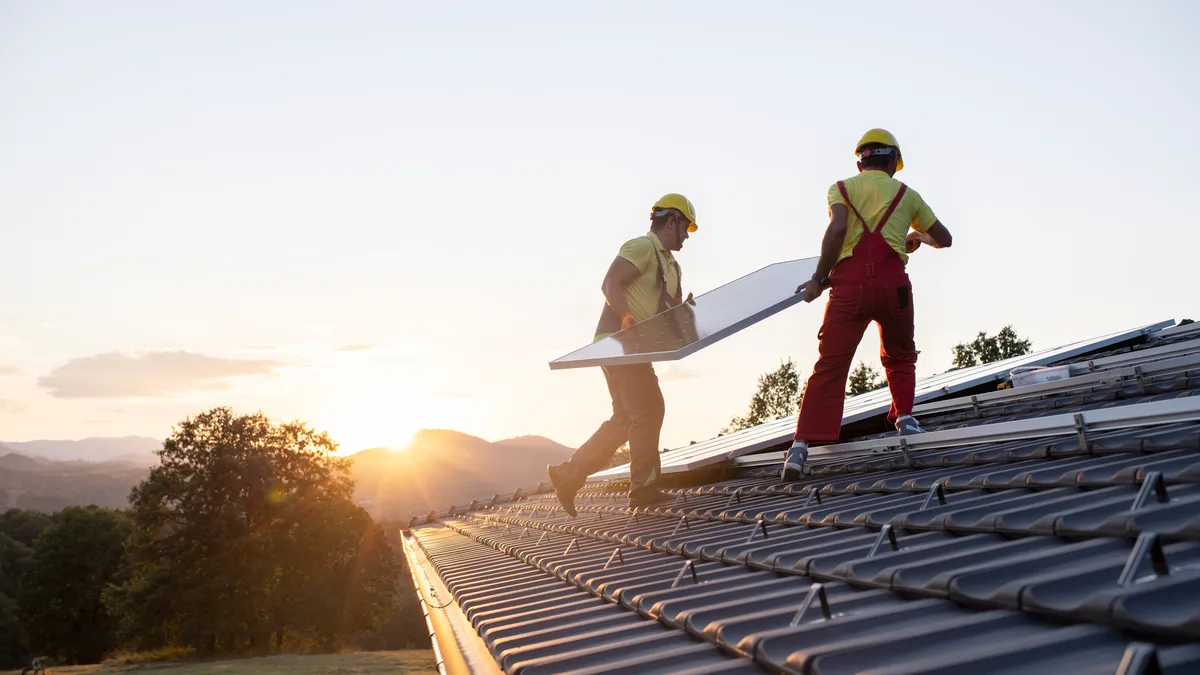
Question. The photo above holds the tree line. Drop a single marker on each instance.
(244, 539)
(779, 392)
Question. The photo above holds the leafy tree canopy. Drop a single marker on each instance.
(778, 395)
(864, 379)
(74, 560)
(989, 349)
(246, 533)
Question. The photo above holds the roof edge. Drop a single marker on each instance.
(457, 648)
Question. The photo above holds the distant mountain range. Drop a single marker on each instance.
(49, 485)
(437, 469)
(134, 449)
(441, 468)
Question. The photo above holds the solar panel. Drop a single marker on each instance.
(1170, 358)
(1182, 329)
(1151, 413)
(864, 406)
(688, 328)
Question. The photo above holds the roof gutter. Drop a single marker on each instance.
(457, 648)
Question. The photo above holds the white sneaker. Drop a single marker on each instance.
(793, 462)
(907, 426)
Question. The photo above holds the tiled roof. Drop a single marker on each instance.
(1074, 553)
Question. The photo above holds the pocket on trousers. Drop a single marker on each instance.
(845, 302)
(902, 299)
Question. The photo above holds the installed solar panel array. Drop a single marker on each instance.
(1135, 366)
(717, 450)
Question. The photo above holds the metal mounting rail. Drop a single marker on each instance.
(1075, 383)
(1137, 415)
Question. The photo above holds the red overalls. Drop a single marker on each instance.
(870, 285)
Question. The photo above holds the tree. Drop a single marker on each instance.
(778, 395)
(621, 456)
(74, 560)
(405, 627)
(15, 560)
(24, 525)
(352, 589)
(245, 535)
(863, 379)
(989, 349)
(12, 639)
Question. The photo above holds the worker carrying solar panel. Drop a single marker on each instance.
(863, 258)
(643, 280)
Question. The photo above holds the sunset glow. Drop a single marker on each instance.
(402, 228)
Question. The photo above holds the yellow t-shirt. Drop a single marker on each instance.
(872, 192)
(643, 292)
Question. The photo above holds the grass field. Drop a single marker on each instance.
(408, 662)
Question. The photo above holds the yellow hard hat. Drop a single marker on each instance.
(679, 203)
(883, 137)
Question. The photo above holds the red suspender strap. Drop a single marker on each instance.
(842, 189)
(887, 214)
(895, 203)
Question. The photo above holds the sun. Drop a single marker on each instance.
(371, 423)
(371, 419)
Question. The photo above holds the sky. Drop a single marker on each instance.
(384, 216)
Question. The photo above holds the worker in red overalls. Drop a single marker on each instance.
(863, 255)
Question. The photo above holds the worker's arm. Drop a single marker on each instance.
(831, 246)
(940, 235)
(620, 273)
(936, 236)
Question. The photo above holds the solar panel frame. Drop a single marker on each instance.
(686, 318)
(1171, 358)
(864, 406)
(1181, 329)
(1171, 350)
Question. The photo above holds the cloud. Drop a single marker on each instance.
(11, 406)
(119, 375)
(676, 372)
(354, 348)
(9, 370)
(451, 394)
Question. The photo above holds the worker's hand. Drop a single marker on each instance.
(689, 300)
(627, 321)
(811, 290)
(912, 242)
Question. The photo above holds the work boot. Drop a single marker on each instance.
(793, 462)
(646, 496)
(563, 490)
(908, 426)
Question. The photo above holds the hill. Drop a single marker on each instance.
(17, 462)
(437, 469)
(440, 468)
(48, 485)
(136, 449)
